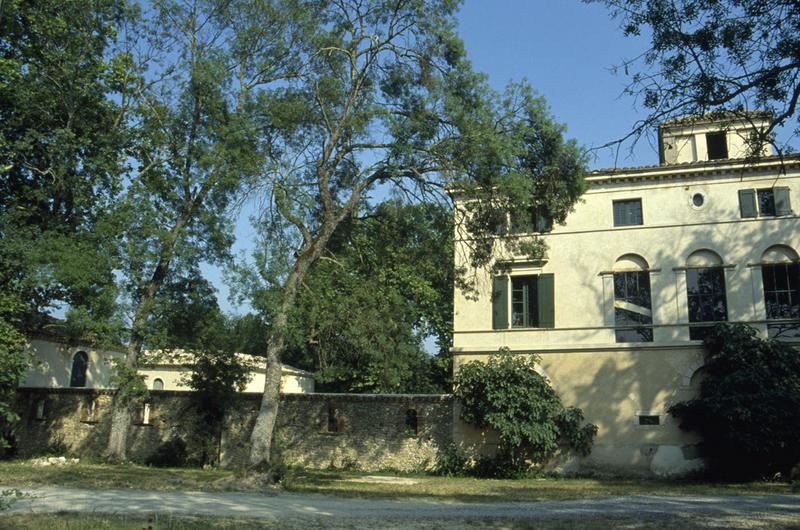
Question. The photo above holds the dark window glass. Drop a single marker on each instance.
(649, 420)
(705, 289)
(78, 374)
(534, 219)
(633, 315)
(524, 312)
(766, 202)
(782, 298)
(628, 212)
(717, 145)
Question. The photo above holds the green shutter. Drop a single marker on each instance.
(782, 204)
(500, 302)
(747, 203)
(546, 301)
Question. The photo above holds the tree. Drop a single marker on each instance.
(383, 285)
(748, 407)
(507, 395)
(190, 75)
(60, 167)
(385, 99)
(726, 57)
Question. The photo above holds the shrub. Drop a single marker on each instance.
(748, 409)
(171, 453)
(507, 395)
(450, 463)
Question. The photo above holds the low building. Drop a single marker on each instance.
(57, 365)
(649, 259)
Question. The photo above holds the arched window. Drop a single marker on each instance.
(158, 384)
(78, 376)
(633, 314)
(705, 291)
(780, 272)
(411, 422)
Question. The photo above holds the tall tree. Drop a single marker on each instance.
(194, 75)
(386, 99)
(383, 285)
(60, 166)
(728, 55)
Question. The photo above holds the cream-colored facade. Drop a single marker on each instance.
(688, 225)
(53, 362)
(171, 371)
(55, 365)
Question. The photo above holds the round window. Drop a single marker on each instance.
(698, 199)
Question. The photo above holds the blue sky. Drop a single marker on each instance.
(566, 50)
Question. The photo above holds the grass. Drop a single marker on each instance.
(341, 483)
(345, 484)
(61, 521)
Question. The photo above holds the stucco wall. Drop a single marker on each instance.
(292, 381)
(52, 365)
(371, 429)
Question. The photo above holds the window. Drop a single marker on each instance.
(78, 375)
(158, 384)
(531, 304)
(39, 413)
(628, 212)
(411, 422)
(765, 202)
(534, 219)
(524, 313)
(717, 144)
(649, 420)
(633, 316)
(705, 290)
(782, 297)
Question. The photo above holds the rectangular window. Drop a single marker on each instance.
(782, 297)
(650, 420)
(524, 313)
(633, 315)
(705, 290)
(628, 212)
(765, 202)
(529, 304)
(717, 143)
(535, 219)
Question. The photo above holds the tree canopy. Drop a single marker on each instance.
(728, 55)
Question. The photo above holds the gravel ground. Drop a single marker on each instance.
(287, 510)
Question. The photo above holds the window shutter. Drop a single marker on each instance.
(782, 205)
(500, 303)
(747, 203)
(546, 301)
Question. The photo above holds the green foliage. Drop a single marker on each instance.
(748, 408)
(725, 57)
(14, 361)
(383, 285)
(171, 453)
(508, 396)
(131, 388)
(450, 462)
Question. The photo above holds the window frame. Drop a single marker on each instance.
(643, 330)
(622, 203)
(791, 292)
(502, 302)
(701, 327)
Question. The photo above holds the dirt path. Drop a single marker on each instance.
(291, 510)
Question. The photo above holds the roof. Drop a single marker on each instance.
(717, 116)
(684, 169)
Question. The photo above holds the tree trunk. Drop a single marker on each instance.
(261, 438)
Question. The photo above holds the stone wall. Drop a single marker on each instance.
(369, 432)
